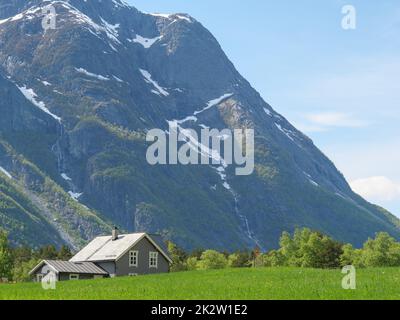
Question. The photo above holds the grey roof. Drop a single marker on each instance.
(72, 267)
(105, 249)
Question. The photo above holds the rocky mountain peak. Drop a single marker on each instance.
(77, 100)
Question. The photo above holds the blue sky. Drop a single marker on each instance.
(340, 87)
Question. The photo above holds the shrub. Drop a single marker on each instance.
(211, 259)
(383, 251)
(191, 263)
(239, 260)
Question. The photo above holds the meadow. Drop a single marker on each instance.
(231, 284)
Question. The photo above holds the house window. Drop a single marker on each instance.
(133, 258)
(153, 259)
(74, 277)
(39, 277)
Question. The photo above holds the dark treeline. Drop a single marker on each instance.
(15, 263)
(305, 249)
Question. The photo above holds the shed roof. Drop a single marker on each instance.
(105, 249)
(71, 267)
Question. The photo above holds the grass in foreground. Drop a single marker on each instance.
(230, 284)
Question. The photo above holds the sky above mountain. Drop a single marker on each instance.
(338, 86)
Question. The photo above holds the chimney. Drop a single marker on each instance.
(114, 235)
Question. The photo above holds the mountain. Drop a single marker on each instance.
(76, 103)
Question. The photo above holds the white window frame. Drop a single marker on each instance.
(39, 277)
(133, 258)
(73, 276)
(153, 259)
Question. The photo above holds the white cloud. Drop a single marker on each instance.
(377, 188)
(370, 158)
(326, 121)
(335, 119)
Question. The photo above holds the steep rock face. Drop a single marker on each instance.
(91, 88)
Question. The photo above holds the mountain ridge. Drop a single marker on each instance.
(87, 92)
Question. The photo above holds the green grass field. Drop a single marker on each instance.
(231, 284)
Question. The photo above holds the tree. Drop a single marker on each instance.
(22, 254)
(351, 256)
(383, 251)
(306, 249)
(47, 252)
(6, 259)
(332, 252)
(239, 260)
(64, 253)
(178, 257)
(197, 253)
(191, 263)
(320, 251)
(21, 270)
(273, 258)
(289, 248)
(211, 259)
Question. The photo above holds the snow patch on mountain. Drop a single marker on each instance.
(286, 132)
(221, 172)
(148, 78)
(75, 195)
(214, 102)
(119, 4)
(46, 83)
(111, 31)
(145, 42)
(198, 147)
(4, 171)
(28, 15)
(93, 75)
(310, 179)
(209, 105)
(65, 177)
(268, 112)
(32, 97)
(118, 79)
(174, 17)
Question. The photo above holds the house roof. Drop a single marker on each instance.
(105, 249)
(71, 267)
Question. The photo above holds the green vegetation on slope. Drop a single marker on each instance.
(19, 215)
(254, 283)
(34, 198)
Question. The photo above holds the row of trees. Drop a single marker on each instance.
(15, 263)
(305, 248)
